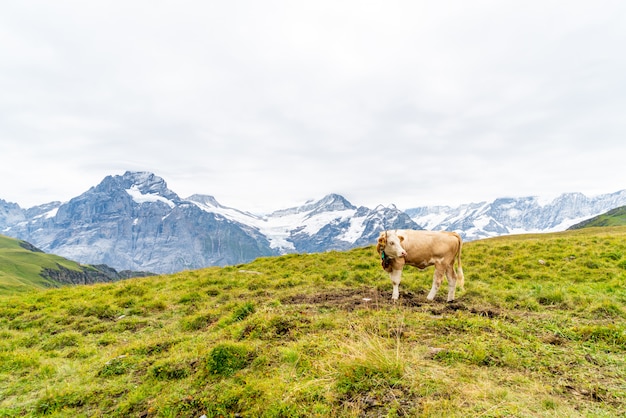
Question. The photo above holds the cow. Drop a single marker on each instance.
(422, 249)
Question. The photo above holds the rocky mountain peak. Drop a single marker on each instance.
(332, 202)
(205, 200)
(10, 213)
(147, 183)
(329, 203)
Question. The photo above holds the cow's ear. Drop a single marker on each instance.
(401, 238)
(381, 244)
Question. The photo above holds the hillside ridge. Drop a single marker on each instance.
(25, 267)
(614, 217)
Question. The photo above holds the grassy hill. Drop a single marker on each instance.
(21, 265)
(614, 217)
(540, 330)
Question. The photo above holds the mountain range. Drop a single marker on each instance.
(135, 222)
(505, 216)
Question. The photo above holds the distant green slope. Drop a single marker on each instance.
(539, 331)
(21, 266)
(24, 267)
(614, 217)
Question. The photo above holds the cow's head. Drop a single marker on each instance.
(390, 245)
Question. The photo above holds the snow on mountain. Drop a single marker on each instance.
(209, 204)
(506, 216)
(140, 197)
(10, 214)
(289, 229)
(355, 229)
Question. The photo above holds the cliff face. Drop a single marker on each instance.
(89, 275)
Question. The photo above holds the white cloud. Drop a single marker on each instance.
(267, 104)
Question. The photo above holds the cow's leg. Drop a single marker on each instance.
(396, 276)
(451, 275)
(437, 279)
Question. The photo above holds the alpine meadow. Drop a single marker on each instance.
(538, 331)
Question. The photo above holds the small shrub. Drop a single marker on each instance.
(30, 341)
(190, 298)
(128, 303)
(169, 371)
(106, 312)
(131, 290)
(551, 297)
(362, 378)
(157, 305)
(364, 266)
(98, 328)
(282, 326)
(608, 310)
(106, 340)
(212, 292)
(198, 322)
(17, 363)
(226, 359)
(51, 403)
(592, 265)
(117, 366)
(521, 276)
(615, 256)
(60, 341)
(242, 312)
(609, 334)
(449, 357)
(130, 324)
(157, 348)
(258, 284)
(369, 365)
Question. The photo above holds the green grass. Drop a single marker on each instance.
(20, 267)
(614, 217)
(540, 330)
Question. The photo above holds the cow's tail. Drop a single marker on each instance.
(459, 272)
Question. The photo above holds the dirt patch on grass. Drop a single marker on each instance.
(371, 298)
(351, 299)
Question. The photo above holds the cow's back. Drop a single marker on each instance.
(423, 247)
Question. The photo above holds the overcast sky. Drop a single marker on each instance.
(266, 104)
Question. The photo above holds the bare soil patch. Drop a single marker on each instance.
(351, 299)
(372, 298)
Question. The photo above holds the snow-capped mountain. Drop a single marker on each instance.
(506, 216)
(331, 223)
(134, 222)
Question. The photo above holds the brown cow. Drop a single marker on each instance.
(422, 249)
